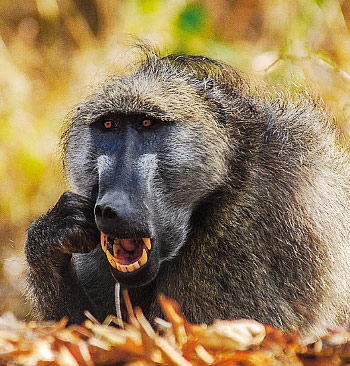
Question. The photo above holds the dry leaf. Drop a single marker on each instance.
(179, 343)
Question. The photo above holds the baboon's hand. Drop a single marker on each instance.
(74, 218)
(68, 228)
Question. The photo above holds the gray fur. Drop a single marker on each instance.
(247, 198)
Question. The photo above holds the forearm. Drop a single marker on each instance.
(53, 282)
(55, 295)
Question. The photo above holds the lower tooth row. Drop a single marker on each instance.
(129, 268)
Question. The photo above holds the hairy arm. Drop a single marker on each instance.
(53, 283)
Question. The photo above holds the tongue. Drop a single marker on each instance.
(129, 244)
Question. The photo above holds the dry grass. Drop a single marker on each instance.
(177, 343)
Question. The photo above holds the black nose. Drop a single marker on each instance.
(117, 217)
(105, 213)
(110, 218)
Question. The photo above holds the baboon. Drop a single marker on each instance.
(230, 198)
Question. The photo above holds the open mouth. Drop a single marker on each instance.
(126, 255)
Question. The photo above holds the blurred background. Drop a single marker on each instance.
(52, 50)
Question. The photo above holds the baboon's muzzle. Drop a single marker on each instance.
(126, 237)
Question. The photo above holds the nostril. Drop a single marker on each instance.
(104, 212)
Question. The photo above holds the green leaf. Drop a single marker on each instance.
(192, 18)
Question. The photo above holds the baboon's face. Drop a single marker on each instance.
(147, 174)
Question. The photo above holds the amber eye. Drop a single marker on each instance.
(108, 124)
(146, 123)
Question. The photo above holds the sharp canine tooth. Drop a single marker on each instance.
(143, 258)
(111, 259)
(115, 250)
(104, 241)
(147, 242)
